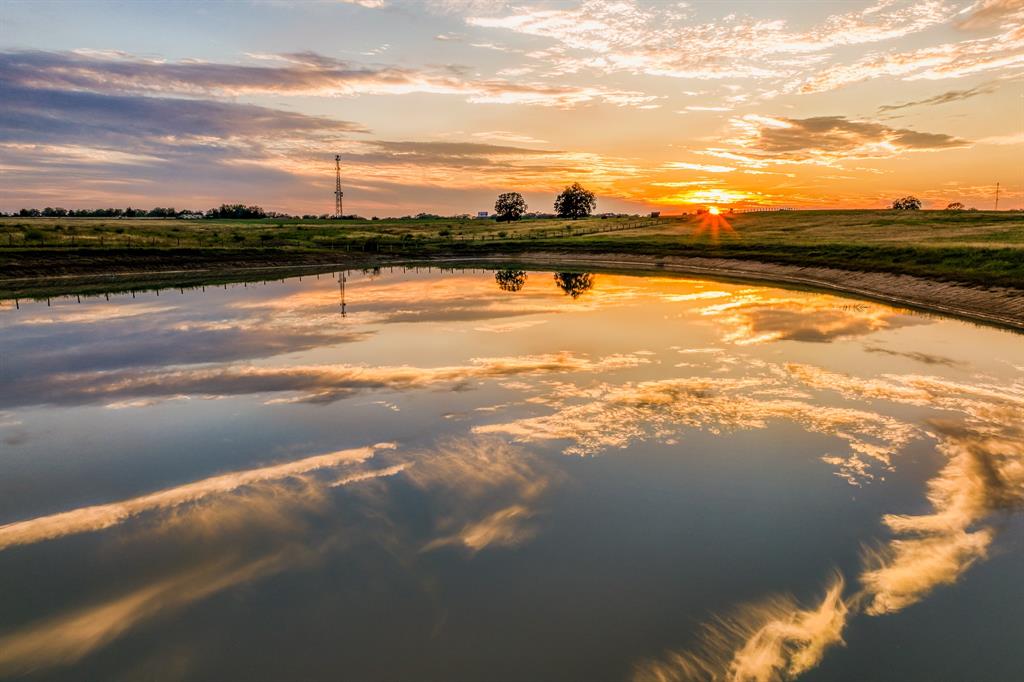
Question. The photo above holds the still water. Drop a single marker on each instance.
(507, 476)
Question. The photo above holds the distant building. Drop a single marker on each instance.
(482, 214)
(655, 214)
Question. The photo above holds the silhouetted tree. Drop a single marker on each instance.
(575, 202)
(510, 280)
(510, 206)
(574, 283)
(907, 203)
(955, 206)
(236, 211)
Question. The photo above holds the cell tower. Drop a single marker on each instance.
(997, 196)
(338, 194)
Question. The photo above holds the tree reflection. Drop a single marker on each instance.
(510, 280)
(574, 283)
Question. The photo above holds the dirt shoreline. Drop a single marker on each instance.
(1001, 306)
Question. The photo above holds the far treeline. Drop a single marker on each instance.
(573, 202)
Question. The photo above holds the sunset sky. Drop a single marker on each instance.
(438, 105)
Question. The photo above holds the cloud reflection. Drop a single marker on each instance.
(771, 641)
(71, 636)
(98, 517)
(484, 488)
(481, 493)
(614, 416)
(309, 384)
(755, 316)
(984, 475)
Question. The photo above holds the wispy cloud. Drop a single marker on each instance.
(829, 139)
(296, 74)
(1003, 52)
(944, 98)
(665, 40)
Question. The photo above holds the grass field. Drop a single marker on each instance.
(980, 247)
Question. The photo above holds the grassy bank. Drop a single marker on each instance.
(981, 248)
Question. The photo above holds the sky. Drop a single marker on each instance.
(439, 105)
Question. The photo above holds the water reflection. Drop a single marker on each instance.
(98, 517)
(510, 280)
(982, 478)
(767, 641)
(481, 494)
(225, 459)
(574, 284)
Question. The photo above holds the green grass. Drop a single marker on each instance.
(980, 247)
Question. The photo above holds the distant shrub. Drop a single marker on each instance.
(955, 206)
(445, 232)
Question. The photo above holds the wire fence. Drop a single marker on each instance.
(357, 242)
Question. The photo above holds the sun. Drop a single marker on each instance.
(713, 210)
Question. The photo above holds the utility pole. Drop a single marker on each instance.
(338, 194)
(997, 196)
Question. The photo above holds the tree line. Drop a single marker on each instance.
(222, 211)
(573, 202)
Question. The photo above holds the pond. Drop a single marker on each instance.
(474, 475)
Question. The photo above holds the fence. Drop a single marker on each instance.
(37, 239)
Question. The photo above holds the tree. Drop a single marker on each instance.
(907, 203)
(955, 206)
(574, 283)
(510, 206)
(575, 202)
(510, 280)
(238, 211)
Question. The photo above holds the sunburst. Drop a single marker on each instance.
(712, 222)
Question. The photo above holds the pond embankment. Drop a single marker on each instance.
(95, 272)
